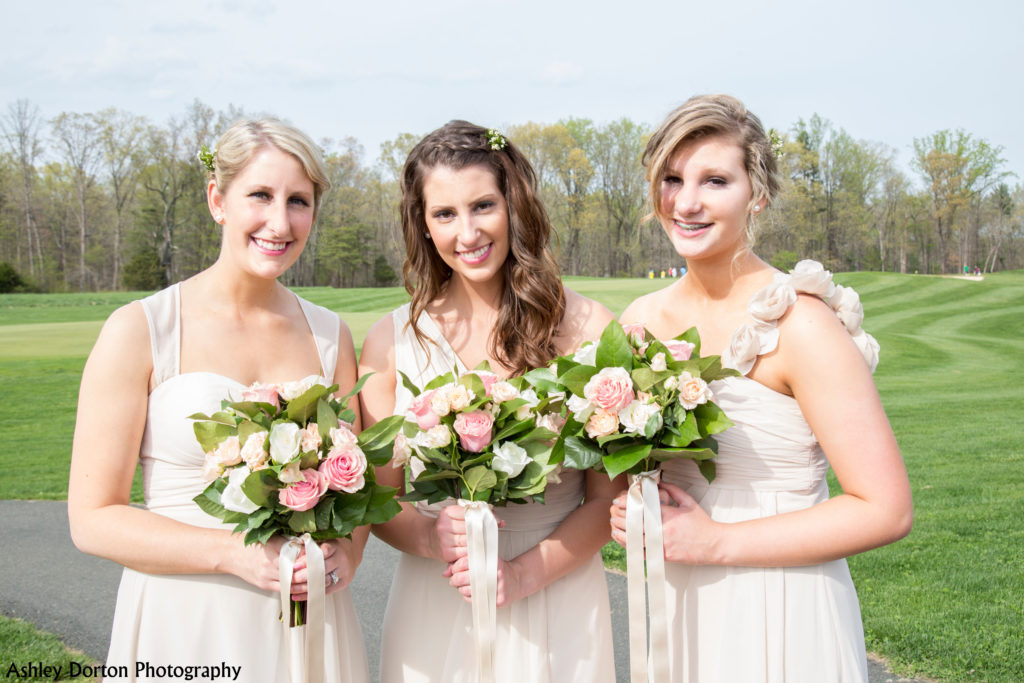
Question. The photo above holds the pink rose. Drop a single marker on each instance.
(343, 469)
(610, 389)
(305, 494)
(488, 378)
(635, 331)
(693, 391)
(261, 393)
(420, 409)
(474, 429)
(680, 350)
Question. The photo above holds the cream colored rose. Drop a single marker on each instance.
(253, 453)
(811, 277)
(440, 403)
(401, 451)
(460, 398)
(343, 438)
(292, 390)
(311, 439)
(228, 452)
(291, 473)
(211, 468)
(671, 383)
(772, 302)
(580, 408)
(747, 343)
(503, 391)
(693, 391)
(602, 423)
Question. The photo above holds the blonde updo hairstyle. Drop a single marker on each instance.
(708, 115)
(239, 143)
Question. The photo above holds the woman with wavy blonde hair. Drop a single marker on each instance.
(757, 583)
(484, 286)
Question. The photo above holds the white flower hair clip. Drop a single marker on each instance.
(495, 140)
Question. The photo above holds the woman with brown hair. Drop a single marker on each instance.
(484, 286)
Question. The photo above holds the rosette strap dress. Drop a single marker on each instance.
(791, 624)
(560, 633)
(210, 619)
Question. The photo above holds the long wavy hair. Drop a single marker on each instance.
(533, 301)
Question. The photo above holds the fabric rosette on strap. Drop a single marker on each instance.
(305, 644)
(643, 536)
(482, 546)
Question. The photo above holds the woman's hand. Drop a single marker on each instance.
(688, 533)
(340, 556)
(258, 564)
(509, 580)
(451, 534)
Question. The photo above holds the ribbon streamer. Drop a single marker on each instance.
(643, 525)
(482, 546)
(306, 666)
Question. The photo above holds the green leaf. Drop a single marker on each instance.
(349, 511)
(645, 378)
(708, 469)
(256, 519)
(382, 433)
(625, 459)
(427, 475)
(613, 350)
(261, 535)
(302, 522)
(478, 479)
(261, 487)
(323, 512)
(354, 390)
(407, 383)
(382, 506)
(440, 381)
(209, 501)
(247, 429)
(326, 419)
(712, 419)
(577, 377)
(513, 429)
(542, 379)
(580, 454)
(209, 434)
(692, 336)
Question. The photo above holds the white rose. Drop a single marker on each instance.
(437, 436)
(635, 416)
(811, 277)
(290, 391)
(658, 363)
(503, 391)
(771, 302)
(285, 441)
(228, 452)
(532, 400)
(440, 402)
(846, 303)
(551, 421)
(233, 498)
(587, 354)
(580, 408)
(671, 383)
(343, 438)
(510, 458)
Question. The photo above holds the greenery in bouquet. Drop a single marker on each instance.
(633, 401)
(285, 459)
(478, 437)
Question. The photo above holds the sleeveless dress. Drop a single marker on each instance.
(210, 619)
(792, 624)
(560, 633)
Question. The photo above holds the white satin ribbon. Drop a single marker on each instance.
(482, 546)
(643, 522)
(306, 666)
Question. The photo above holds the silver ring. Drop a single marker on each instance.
(333, 577)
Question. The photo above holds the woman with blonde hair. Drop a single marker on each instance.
(191, 592)
(484, 286)
(758, 587)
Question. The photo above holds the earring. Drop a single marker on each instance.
(218, 218)
(427, 235)
(757, 208)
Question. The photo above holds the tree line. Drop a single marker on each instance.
(110, 200)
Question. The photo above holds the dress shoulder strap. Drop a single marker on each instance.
(326, 326)
(163, 316)
(770, 303)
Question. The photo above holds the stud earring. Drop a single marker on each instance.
(757, 208)
(427, 235)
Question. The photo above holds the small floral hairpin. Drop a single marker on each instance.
(495, 140)
(205, 157)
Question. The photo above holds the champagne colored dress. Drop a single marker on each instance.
(210, 619)
(559, 634)
(792, 624)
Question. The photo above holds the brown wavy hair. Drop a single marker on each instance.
(533, 301)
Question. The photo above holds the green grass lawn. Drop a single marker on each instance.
(947, 602)
(21, 643)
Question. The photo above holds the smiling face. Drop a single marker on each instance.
(467, 219)
(705, 198)
(267, 213)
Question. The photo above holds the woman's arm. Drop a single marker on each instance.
(818, 362)
(410, 531)
(111, 418)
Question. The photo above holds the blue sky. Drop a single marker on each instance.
(883, 71)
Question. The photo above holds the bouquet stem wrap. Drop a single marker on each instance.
(643, 528)
(482, 544)
(305, 660)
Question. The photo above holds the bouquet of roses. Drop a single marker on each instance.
(633, 401)
(477, 437)
(284, 459)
